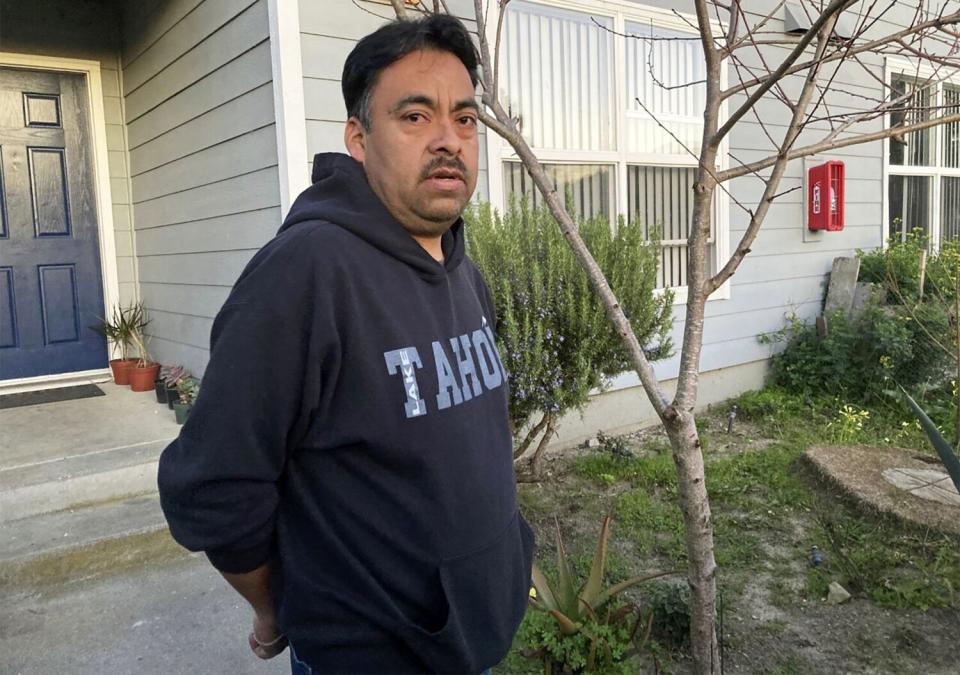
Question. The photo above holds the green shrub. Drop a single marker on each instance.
(539, 634)
(908, 340)
(618, 446)
(897, 269)
(670, 605)
(554, 336)
(861, 357)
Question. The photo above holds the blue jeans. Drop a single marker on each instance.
(298, 667)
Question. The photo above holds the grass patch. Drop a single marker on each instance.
(878, 557)
(758, 496)
(774, 626)
(650, 471)
(788, 665)
(768, 509)
(655, 525)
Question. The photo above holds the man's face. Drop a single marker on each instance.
(420, 153)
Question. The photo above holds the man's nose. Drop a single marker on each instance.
(446, 139)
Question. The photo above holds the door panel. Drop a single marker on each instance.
(51, 289)
(48, 192)
(8, 319)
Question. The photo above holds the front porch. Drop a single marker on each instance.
(158, 165)
(78, 486)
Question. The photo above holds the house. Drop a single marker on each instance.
(150, 148)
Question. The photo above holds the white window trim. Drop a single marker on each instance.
(622, 11)
(288, 100)
(893, 66)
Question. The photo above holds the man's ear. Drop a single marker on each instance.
(355, 138)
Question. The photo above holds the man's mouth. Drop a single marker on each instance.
(446, 179)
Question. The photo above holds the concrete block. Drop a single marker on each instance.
(843, 284)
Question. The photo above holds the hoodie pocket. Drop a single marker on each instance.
(486, 592)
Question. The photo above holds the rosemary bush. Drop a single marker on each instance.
(554, 337)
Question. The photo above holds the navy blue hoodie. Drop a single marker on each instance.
(352, 430)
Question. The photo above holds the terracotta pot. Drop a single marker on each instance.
(121, 370)
(142, 379)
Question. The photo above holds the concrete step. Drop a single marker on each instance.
(70, 482)
(84, 542)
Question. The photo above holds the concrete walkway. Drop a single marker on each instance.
(171, 619)
(78, 483)
(33, 435)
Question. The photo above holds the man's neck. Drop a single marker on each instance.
(431, 245)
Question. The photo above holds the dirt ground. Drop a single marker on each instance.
(768, 624)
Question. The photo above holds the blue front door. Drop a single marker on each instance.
(51, 290)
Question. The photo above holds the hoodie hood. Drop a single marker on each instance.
(341, 195)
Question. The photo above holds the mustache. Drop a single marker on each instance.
(454, 163)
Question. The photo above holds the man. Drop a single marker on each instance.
(347, 466)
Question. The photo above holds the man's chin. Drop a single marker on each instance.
(443, 212)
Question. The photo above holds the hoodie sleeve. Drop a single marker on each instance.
(218, 479)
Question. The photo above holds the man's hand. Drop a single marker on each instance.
(265, 639)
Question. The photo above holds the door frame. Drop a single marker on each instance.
(104, 201)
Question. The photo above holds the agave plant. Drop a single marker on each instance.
(575, 605)
(949, 458)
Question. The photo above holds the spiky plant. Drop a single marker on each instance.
(577, 606)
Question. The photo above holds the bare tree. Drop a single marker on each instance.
(765, 64)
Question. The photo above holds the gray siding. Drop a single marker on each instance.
(84, 29)
(328, 31)
(785, 275)
(197, 86)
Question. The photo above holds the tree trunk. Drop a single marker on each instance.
(544, 442)
(530, 436)
(698, 538)
(532, 474)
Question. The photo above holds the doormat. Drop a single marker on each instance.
(49, 396)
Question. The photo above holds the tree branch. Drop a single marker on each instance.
(827, 15)
(780, 164)
(816, 148)
(871, 46)
(399, 8)
(505, 126)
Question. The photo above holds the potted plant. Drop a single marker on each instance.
(188, 388)
(166, 384)
(117, 331)
(144, 372)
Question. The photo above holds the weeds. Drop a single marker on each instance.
(768, 510)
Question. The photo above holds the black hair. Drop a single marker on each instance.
(394, 41)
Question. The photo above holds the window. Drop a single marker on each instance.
(923, 167)
(572, 80)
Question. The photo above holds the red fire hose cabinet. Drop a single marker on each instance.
(825, 185)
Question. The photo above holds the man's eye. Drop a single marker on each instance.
(468, 121)
(414, 117)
